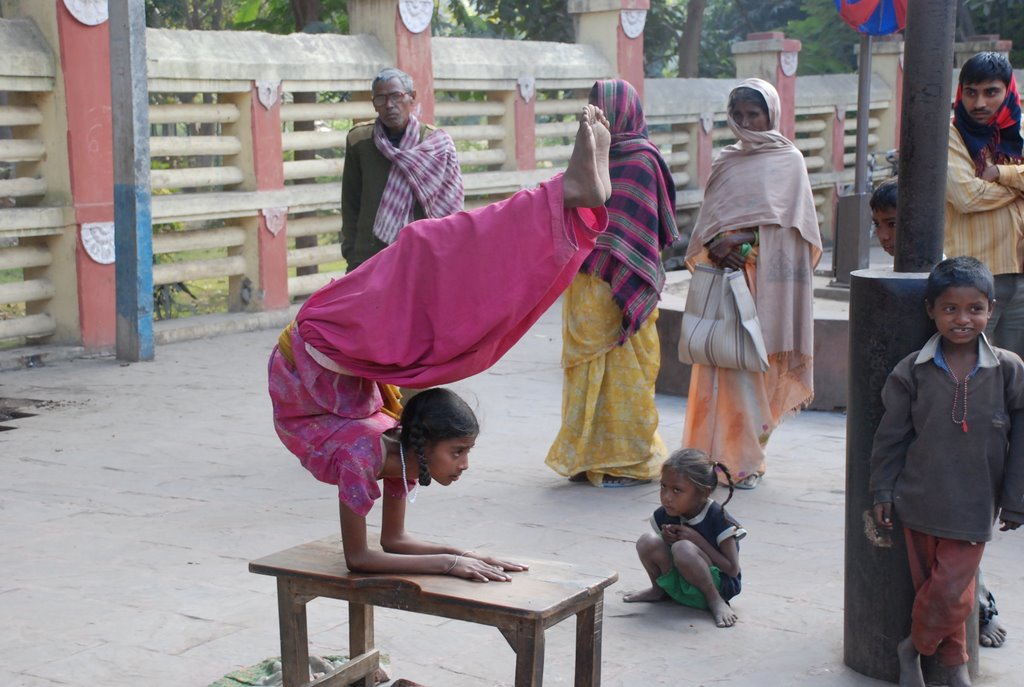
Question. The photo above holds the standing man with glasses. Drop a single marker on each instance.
(397, 169)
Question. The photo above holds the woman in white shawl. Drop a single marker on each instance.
(758, 215)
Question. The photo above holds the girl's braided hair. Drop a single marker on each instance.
(431, 416)
(697, 466)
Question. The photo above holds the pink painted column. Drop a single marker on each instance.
(705, 148)
(414, 57)
(839, 139)
(772, 57)
(272, 235)
(85, 61)
(630, 40)
(525, 123)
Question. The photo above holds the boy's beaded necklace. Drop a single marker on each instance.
(956, 392)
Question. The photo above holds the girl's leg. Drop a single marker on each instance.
(586, 183)
(655, 558)
(695, 567)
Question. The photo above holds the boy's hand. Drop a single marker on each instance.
(883, 515)
(1006, 525)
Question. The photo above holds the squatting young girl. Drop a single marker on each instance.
(693, 556)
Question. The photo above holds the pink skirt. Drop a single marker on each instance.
(333, 423)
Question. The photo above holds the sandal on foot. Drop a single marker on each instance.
(610, 482)
(749, 482)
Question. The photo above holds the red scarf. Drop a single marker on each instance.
(998, 141)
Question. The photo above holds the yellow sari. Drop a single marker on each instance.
(609, 419)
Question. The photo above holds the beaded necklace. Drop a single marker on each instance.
(411, 498)
(956, 392)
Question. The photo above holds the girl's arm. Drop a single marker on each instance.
(726, 557)
(394, 539)
(403, 554)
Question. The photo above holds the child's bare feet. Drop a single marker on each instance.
(957, 676)
(586, 183)
(910, 664)
(722, 612)
(992, 634)
(651, 594)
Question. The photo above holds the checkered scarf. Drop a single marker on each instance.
(426, 171)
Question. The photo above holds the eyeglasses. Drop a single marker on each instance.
(385, 98)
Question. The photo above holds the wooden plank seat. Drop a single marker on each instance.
(521, 610)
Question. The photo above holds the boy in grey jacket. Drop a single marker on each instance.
(948, 458)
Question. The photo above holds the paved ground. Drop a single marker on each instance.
(133, 499)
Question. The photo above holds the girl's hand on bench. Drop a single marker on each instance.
(484, 569)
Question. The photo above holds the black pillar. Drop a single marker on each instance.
(924, 130)
(887, 322)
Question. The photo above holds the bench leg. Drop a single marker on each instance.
(360, 637)
(291, 613)
(589, 623)
(529, 646)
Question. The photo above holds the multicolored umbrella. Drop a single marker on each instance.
(874, 17)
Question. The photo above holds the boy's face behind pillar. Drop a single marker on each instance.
(883, 221)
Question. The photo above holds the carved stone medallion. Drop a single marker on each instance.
(267, 92)
(633, 22)
(416, 14)
(527, 87)
(275, 219)
(98, 241)
(788, 62)
(88, 12)
(707, 121)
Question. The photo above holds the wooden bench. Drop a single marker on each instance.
(521, 610)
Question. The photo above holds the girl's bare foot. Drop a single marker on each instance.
(722, 612)
(586, 183)
(910, 664)
(957, 676)
(652, 594)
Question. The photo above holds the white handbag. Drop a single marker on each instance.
(720, 326)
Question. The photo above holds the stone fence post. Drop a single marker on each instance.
(266, 252)
(403, 28)
(616, 29)
(84, 42)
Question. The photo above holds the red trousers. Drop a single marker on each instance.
(943, 571)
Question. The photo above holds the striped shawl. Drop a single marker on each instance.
(427, 171)
(641, 211)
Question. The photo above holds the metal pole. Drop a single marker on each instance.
(133, 217)
(861, 183)
(852, 249)
(879, 593)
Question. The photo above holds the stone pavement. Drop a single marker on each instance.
(133, 499)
